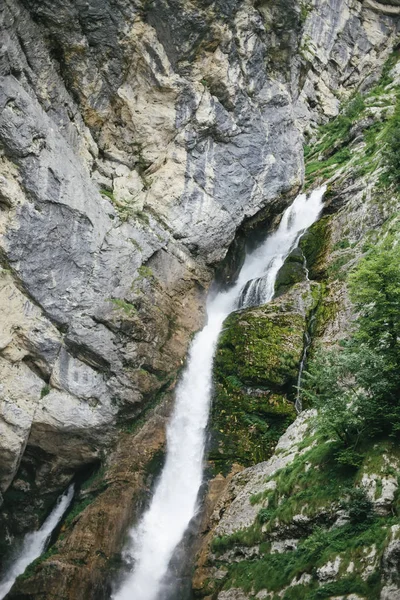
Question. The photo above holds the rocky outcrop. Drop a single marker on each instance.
(135, 138)
(274, 531)
(235, 511)
(256, 368)
(82, 155)
(86, 556)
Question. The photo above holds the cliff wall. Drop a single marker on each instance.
(135, 139)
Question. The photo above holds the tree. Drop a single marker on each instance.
(332, 389)
(375, 292)
(356, 388)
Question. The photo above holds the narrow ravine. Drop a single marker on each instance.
(175, 500)
(35, 543)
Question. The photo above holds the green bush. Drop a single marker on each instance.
(358, 506)
(356, 388)
(392, 150)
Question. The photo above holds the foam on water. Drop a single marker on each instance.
(174, 503)
(35, 542)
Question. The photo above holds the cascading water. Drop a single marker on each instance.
(174, 503)
(34, 543)
(307, 343)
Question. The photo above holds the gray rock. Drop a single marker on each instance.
(191, 119)
(391, 561)
(240, 512)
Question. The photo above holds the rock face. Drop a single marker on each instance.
(136, 137)
(86, 557)
(256, 368)
(287, 528)
(275, 530)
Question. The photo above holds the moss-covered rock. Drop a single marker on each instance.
(291, 272)
(255, 369)
(314, 245)
(261, 347)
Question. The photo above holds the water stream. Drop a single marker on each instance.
(175, 501)
(307, 343)
(34, 543)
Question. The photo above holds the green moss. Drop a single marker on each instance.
(260, 347)
(291, 272)
(255, 370)
(326, 309)
(128, 308)
(314, 245)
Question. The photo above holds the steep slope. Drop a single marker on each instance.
(305, 524)
(136, 138)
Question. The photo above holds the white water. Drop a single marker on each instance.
(174, 502)
(307, 343)
(34, 543)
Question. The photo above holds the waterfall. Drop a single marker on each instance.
(34, 543)
(307, 343)
(174, 502)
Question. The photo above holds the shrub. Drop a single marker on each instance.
(356, 388)
(358, 506)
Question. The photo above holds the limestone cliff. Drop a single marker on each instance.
(136, 138)
(292, 526)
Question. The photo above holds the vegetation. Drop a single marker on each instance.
(77, 509)
(392, 154)
(356, 388)
(255, 368)
(305, 9)
(314, 245)
(45, 391)
(371, 118)
(124, 209)
(275, 571)
(145, 272)
(128, 308)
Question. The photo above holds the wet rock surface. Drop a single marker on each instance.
(255, 369)
(135, 138)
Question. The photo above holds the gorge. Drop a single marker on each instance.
(174, 503)
(146, 147)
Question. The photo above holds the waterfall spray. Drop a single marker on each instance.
(174, 503)
(34, 543)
